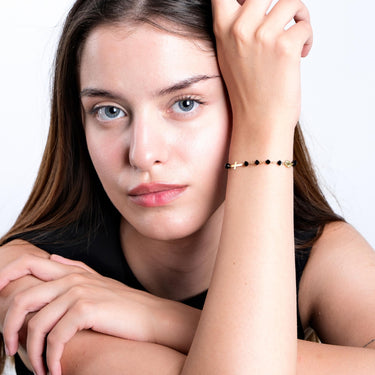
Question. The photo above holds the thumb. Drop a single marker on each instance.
(70, 262)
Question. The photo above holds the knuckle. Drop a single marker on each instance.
(77, 291)
(240, 32)
(285, 47)
(80, 264)
(52, 340)
(263, 35)
(75, 278)
(83, 307)
(33, 325)
(18, 301)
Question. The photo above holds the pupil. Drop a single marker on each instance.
(112, 111)
(186, 105)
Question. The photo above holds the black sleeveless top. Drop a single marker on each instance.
(104, 254)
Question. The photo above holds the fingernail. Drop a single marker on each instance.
(6, 351)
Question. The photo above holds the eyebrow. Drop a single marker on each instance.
(185, 84)
(92, 92)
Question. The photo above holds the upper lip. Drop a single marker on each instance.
(154, 188)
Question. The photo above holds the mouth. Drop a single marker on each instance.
(155, 194)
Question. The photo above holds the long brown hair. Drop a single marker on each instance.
(67, 190)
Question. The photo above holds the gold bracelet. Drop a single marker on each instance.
(236, 164)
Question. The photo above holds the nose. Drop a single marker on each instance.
(148, 143)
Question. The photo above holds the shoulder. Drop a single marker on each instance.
(337, 282)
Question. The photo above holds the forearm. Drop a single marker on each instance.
(94, 353)
(175, 325)
(250, 308)
(325, 359)
(89, 352)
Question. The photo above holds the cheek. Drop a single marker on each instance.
(106, 154)
(210, 153)
(215, 145)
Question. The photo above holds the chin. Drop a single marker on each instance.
(173, 226)
(167, 233)
(169, 230)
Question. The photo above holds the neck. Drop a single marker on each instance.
(176, 269)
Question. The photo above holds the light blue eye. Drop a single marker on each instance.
(185, 105)
(109, 113)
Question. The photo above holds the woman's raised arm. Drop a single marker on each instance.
(248, 324)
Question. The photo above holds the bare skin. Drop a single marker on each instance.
(257, 340)
(318, 296)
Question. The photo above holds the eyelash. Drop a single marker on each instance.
(190, 98)
(96, 110)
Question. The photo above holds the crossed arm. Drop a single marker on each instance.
(236, 333)
(336, 297)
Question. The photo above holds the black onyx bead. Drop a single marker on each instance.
(227, 166)
(257, 162)
(245, 163)
(268, 161)
(279, 162)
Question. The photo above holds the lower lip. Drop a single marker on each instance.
(157, 199)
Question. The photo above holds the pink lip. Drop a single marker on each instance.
(155, 194)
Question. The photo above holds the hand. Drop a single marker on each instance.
(74, 298)
(260, 59)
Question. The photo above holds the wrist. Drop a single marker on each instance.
(175, 324)
(261, 145)
(265, 133)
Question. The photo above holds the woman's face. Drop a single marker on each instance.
(157, 125)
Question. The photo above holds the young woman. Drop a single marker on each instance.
(148, 107)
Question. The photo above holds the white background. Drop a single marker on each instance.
(337, 112)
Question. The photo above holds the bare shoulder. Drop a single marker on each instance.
(336, 285)
(339, 244)
(340, 240)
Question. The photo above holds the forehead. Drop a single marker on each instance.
(142, 57)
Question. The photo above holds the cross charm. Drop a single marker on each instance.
(236, 165)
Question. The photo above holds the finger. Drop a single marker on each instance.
(257, 8)
(284, 12)
(76, 319)
(253, 12)
(35, 348)
(71, 293)
(223, 10)
(70, 262)
(43, 269)
(39, 327)
(301, 33)
(26, 302)
(250, 16)
(10, 271)
(306, 24)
